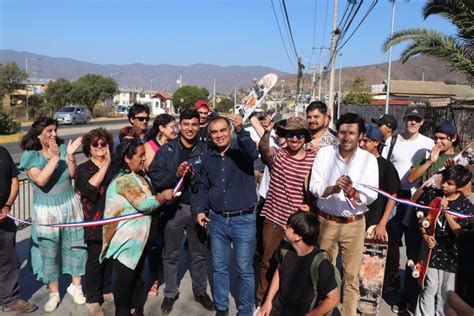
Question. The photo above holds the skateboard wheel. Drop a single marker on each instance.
(410, 263)
(425, 223)
(415, 274)
(420, 214)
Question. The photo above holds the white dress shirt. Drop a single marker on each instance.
(329, 166)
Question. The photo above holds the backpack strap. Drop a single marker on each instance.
(320, 256)
(392, 144)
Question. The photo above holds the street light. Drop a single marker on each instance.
(151, 84)
(387, 96)
(27, 81)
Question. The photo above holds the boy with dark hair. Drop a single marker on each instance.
(292, 291)
(440, 275)
(139, 116)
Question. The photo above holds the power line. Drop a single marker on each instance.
(281, 35)
(325, 22)
(289, 27)
(349, 23)
(372, 6)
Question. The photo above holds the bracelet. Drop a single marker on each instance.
(352, 194)
(8, 205)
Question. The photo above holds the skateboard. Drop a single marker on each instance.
(259, 90)
(464, 157)
(420, 268)
(372, 272)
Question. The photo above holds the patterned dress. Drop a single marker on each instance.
(55, 250)
(125, 241)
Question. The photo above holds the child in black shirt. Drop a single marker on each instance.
(291, 291)
(440, 275)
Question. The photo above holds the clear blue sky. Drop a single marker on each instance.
(185, 32)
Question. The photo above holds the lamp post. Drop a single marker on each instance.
(339, 94)
(387, 96)
(26, 86)
(151, 84)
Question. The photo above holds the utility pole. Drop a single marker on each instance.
(320, 71)
(387, 96)
(332, 77)
(180, 78)
(339, 93)
(235, 96)
(298, 81)
(214, 95)
(27, 84)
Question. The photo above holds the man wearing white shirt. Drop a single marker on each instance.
(336, 177)
(408, 147)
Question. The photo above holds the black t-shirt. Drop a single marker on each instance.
(203, 134)
(8, 171)
(389, 182)
(184, 154)
(296, 286)
(444, 255)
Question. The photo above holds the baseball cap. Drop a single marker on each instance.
(447, 128)
(413, 111)
(373, 132)
(387, 119)
(201, 104)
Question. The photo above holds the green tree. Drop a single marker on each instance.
(10, 78)
(225, 105)
(456, 50)
(358, 93)
(8, 125)
(59, 93)
(186, 96)
(90, 89)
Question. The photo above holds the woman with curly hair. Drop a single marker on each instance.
(50, 165)
(91, 185)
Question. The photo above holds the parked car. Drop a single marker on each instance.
(122, 109)
(73, 114)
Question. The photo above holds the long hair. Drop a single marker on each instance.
(127, 148)
(31, 141)
(161, 120)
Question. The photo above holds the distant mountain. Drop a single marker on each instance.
(416, 68)
(140, 75)
(229, 77)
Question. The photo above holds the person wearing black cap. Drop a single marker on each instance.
(409, 146)
(380, 211)
(387, 124)
(442, 154)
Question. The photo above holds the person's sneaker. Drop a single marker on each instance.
(109, 297)
(95, 309)
(19, 306)
(400, 307)
(77, 295)
(255, 312)
(393, 285)
(205, 301)
(222, 313)
(52, 302)
(167, 304)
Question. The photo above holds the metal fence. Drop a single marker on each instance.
(461, 116)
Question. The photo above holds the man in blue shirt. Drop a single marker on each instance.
(228, 192)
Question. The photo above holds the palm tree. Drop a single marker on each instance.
(457, 50)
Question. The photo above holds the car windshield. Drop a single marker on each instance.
(67, 109)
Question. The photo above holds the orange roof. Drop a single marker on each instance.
(391, 102)
(163, 95)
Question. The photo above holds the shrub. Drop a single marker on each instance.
(8, 125)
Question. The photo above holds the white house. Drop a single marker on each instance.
(159, 102)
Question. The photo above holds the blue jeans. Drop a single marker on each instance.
(238, 231)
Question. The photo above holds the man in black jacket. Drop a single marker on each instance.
(181, 158)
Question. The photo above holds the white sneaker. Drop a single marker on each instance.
(77, 295)
(255, 313)
(52, 302)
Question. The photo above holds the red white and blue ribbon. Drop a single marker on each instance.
(105, 221)
(411, 203)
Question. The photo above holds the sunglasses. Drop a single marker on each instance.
(141, 119)
(99, 145)
(293, 134)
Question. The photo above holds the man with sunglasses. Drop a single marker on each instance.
(288, 168)
(336, 181)
(410, 145)
(138, 116)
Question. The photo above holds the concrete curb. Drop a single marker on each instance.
(23, 124)
(11, 138)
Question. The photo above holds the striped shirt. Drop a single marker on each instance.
(285, 194)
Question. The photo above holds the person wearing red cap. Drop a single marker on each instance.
(202, 106)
